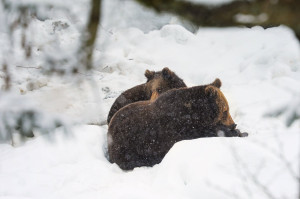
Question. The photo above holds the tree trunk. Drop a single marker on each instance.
(90, 34)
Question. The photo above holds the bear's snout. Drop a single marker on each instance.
(233, 126)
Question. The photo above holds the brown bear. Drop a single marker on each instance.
(142, 133)
(157, 83)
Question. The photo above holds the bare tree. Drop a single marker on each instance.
(90, 34)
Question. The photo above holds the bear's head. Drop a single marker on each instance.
(162, 81)
(222, 108)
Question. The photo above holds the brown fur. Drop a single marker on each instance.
(140, 134)
(157, 83)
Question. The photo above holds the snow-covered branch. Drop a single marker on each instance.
(19, 117)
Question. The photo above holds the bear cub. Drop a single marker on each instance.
(157, 83)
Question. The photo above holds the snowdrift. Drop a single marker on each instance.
(260, 71)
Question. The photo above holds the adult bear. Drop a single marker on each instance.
(157, 83)
(142, 133)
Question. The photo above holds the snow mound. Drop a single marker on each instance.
(76, 166)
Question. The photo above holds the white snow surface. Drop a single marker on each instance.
(260, 72)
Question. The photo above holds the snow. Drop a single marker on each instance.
(260, 72)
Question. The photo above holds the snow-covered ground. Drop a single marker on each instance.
(260, 71)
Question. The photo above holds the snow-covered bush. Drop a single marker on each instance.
(32, 39)
(20, 118)
(37, 34)
(290, 111)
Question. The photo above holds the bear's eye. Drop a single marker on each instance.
(225, 114)
(159, 90)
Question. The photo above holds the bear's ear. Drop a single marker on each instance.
(149, 74)
(166, 73)
(211, 91)
(217, 83)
